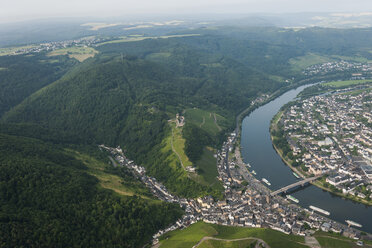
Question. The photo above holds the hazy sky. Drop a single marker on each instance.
(15, 10)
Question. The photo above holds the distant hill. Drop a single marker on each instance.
(22, 75)
(55, 186)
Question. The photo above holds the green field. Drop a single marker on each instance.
(337, 84)
(158, 56)
(132, 38)
(13, 50)
(205, 120)
(179, 145)
(330, 86)
(172, 159)
(357, 92)
(334, 243)
(79, 53)
(355, 59)
(207, 166)
(190, 236)
(108, 180)
(227, 244)
(300, 63)
(277, 78)
(333, 240)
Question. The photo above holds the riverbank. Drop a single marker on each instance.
(316, 183)
(352, 198)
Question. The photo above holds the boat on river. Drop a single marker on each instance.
(322, 211)
(295, 174)
(292, 198)
(266, 181)
(352, 223)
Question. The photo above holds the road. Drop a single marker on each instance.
(253, 181)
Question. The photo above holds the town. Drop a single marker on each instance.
(332, 133)
(358, 70)
(247, 202)
(52, 46)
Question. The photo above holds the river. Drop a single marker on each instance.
(257, 150)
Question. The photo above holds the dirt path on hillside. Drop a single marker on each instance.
(312, 242)
(259, 241)
(174, 150)
(215, 122)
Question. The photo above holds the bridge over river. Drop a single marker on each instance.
(293, 185)
(257, 150)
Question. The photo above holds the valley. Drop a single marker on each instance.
(169, 101)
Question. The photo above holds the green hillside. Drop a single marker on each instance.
(231, 237)
(193, 234)
(56, 190)
(21, 75)
(50, 198)
(127, 102)
(209, 121)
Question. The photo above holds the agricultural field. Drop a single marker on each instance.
(354, 59)
(300, 63)
(333, 240)
(193, 234)
(168, 147)
(247, 243)
(79, 53)
(207, 168)
(179, 145)
(334, 243)
(337, 84)
(129, 38)
(99, 25)
(132, 38)
(208, 121)
(14, 50)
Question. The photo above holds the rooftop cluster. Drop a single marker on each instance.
(360, 70)
(333, 132)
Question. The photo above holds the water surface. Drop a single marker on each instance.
(257, 150)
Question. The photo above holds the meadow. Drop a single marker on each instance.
(79, 53)
(193, 234)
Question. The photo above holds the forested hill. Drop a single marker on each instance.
(56, 191)
(127, 101)
(127, 93)
(22, 75)
(48, 198)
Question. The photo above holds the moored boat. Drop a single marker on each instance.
(292, 198)
(266, 181)
(352, 223)
(322, 211)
